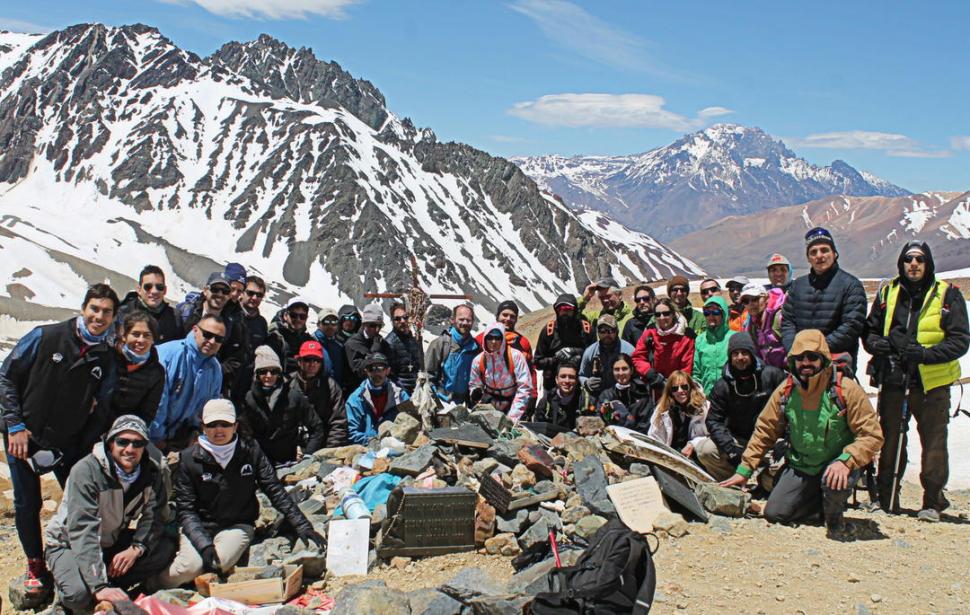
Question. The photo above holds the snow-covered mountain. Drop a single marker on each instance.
(117, 149)
(723, 170)
(869, 232)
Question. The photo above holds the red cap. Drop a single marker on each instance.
(310, 349)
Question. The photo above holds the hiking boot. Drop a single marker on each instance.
(930, 515)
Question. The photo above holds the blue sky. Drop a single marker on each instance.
(881, 85)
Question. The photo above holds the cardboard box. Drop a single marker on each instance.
(261, 591)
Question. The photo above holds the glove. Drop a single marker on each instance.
(913, 354)
(898, 339)
(621, 415)
(593, 384)
(210, 559)
(314, 537)
(475, 395)
(654, 379)
(566, 354)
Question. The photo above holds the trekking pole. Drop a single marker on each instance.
(555, 548)
(903, 428)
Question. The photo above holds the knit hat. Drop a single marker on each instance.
(565, 299)
(327, 313)
(754, 290)
(375, 358)
(677, 280)
(235, 272)
(128, 422)
(266, 358)
(741, 342)
(310, 349)
(218, 410)
(217, 277)
(372, 313)
(818, 235)
(778, 259)
(507, 305)
(607, 320)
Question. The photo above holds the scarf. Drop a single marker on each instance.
(88, 338)
(623, 387)
(221, 452)
(133, 357)
(126, 479)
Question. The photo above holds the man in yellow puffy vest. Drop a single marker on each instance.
(916, 331)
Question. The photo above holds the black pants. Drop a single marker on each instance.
(797, 496)
(932, 412)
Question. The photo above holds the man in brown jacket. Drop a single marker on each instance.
(832, 429)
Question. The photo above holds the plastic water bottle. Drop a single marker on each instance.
(353, 505)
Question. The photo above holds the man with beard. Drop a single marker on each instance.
(596, 368)
(678, 289)
(365, 342)
(562, 340)
(149, 297)
(449, 357)
(916, 332)
(323, 392)
(832, 430)
(404, 353)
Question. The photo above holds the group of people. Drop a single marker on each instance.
(761, 375)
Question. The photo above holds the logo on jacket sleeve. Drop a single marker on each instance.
(96, 372)
(57, 357)
(246, 470)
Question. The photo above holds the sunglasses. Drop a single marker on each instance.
(678, 290)
(375, 368)
(255, 293)
(329, 322)
(714, 312)
(919, 258)
(310, 359)
(662, 313)
(606, 329)
(400, 318)
(219, 425)
(808, 356)
(298, 315)
(747, 300)
(149, 287)
(126, 442)
(709, 291)
(680, 387)
(209, 335)
(351, 317)
(267, 371)
(643, 299)
(219, 290)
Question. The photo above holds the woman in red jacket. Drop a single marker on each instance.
(665, 347)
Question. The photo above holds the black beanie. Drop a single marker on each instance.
(507, 305)
(742, 341)
(565, 299)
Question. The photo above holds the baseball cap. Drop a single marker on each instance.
(217, 277)
(327, 313)
(753, 290)
(607, 320)
(375, 358)
(739, 280)
(128, 422)
(372, 314)
(235, 272)
(218, 410)
(310, 349)
(297, 300)
(778, 259)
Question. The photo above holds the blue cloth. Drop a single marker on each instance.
(134, 357)
(374, 490)
(457, 368)
(361, 420)
(89, 338)
(191, 379)
(331, 348)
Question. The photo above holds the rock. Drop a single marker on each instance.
(178, 597)
(314, 562)
(344, 453)
(640, 469)
(505, 451)
(289, 609)
(371, 597)
(876, 598)
(484, 521)
(484, 466)
(378, 516)
(263, 553)
(675, 525)
(720, 525)
(326, 468)
(413, 463)
(574, 514)
(591, 485)
(312, 506)
(534, 457)
(405, 428)
(384, 429)
(502, 544)
(588, 525)
(901, 544)
(432, 602)
(537, 533)
(21, 600)
(722, 500)
(490, 419)
(522, 477)
(513, 522)
(269, 519)
(400, 562)
(305, 468)
(577, 448)
(545, 486)
(589, 425)
(499, 605)
(469, 583)
(270, 572)
(532, 580)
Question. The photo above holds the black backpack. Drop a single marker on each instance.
(614, 575)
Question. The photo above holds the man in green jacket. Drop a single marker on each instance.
(711, 346)
(611, 298)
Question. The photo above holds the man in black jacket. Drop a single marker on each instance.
(644, 299)
(405, 355)
(149, 297)
(916, 332)
(288, 331)
(827, 299)
(563, 339)
(49, 384)
(736, 401)
(366, 341)
(323, 392)
(215, 495)
(349, 322)
(257, 331)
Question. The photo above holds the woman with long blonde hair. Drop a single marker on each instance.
(679, 418)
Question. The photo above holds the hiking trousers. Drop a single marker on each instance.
(230, 544)
(714, 460)
(797, 496)
(932, 412)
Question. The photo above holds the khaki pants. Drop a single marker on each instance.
(231, 544)
(714, 461)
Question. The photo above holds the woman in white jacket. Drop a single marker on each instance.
(679, 418)
(500, 375)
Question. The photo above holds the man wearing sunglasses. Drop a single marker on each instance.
(678, 289)
(365, 342)
(288, 331)
(323, 391)
(404, 351)
(916, 332)
(831, 433)
(328, 334)
(349, 318)
(596, 367)
(192, 377)
(764, 322)
(375, 401)
(257, 331)
(149, 297)
(827, 298)
(214, 300)
(107, 535)
(644, 300)
(562, 340)
(737, 313)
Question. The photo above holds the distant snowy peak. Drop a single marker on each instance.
(726, 169)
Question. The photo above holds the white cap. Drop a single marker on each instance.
(753, 290)
(218, 410)
(297, 300)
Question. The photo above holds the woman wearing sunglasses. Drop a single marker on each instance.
(710, 347)
(628, 402)
(665, 347)
(679, 418)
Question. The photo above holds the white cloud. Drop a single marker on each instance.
(273, 9)
(608, 110)
(919, 153)
(857, 139)
(572, 27)
(709, 112)
(960, 142)
(19, 25)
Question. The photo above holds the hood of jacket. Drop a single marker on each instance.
(495, 326)
(928, 278)
(811, 340)
(721, 331)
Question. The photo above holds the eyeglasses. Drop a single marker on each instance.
(219, 290)
(400, 318)
(676, 290)
(662, 313)
(643, 299)
(219, 425)
(255, 293)
(126, 442)
(714, 312)
(919, 258)
(209, 335)
(149, 287)
(709, 291)
(266, 371)
(297, 315)
(679, 387)
(808, 356)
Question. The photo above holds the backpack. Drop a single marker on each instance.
(615, 574)
(551, 327)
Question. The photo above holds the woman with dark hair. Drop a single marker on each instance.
(666, 346)
(140, 376)
(561, 405)
(628, 402)
(681, 411)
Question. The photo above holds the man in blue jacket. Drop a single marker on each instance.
(449, 357)
(376, 400)
(193, 376)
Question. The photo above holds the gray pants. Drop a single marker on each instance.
(231, 544)
(74, 594)
(798, 496)
(714, 461)
(932, 412)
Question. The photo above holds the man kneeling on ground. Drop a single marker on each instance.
(831, 436)
(92, 550)
(215, 493)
